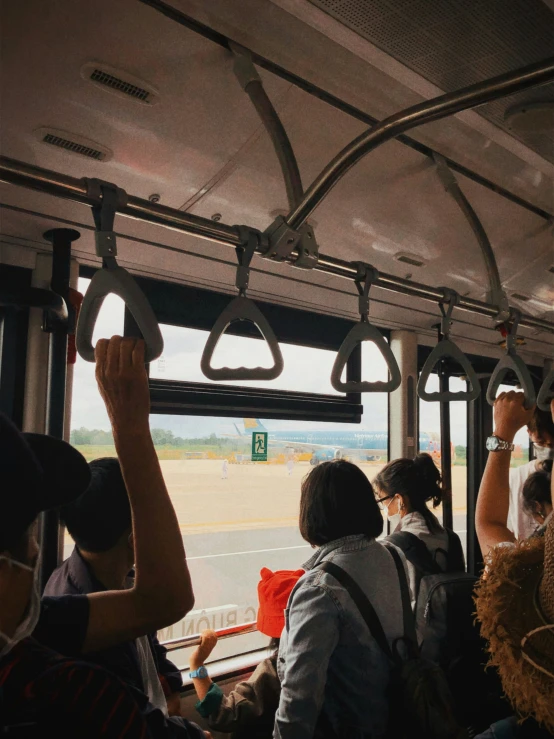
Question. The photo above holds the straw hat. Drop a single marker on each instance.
(515, 604)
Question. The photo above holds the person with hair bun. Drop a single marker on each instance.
(404, 487)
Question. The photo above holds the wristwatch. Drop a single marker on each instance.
(200, 672)
(496, 444)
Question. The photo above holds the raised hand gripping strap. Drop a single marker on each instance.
(546, 393)
(364, 331)
(447, 348)
(242, 309)
(118, 281)
(511, 362)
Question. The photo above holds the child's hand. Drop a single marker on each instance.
(203, 651)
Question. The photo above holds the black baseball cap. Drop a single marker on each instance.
(37, 473)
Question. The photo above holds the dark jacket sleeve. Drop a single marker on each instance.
(251, 703)
(166, 668)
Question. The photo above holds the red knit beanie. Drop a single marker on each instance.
(273, 593)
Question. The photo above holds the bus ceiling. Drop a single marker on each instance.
(290, 238)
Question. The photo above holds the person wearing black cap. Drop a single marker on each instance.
(100, 524)
(38, 473)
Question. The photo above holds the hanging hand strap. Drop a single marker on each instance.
(365, 331)
(242, 309)
(447, 348)
(511, 362)
(546, 393)
(112, 278)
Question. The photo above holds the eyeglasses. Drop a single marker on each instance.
(380, 501)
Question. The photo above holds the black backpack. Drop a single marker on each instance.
(445, 622)
(422, 706)
(447, 631)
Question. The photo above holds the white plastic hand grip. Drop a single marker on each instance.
(511, 362)
(118, 281)
(447, 348)
(241, 309)
(364, 331)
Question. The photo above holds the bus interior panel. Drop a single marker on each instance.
(316, 214)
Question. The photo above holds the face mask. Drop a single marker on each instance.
(393, 519)
(27, 626)
(543, 452)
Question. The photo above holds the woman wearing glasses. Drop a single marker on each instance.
(404, 487)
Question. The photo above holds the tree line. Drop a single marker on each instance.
(160, 437)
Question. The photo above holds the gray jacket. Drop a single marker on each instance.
(329, 665)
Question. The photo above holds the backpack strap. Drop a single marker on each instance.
(361, 600)
(407, 613)
(416, 552)
(455, 556)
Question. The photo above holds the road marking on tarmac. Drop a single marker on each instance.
(252, 551)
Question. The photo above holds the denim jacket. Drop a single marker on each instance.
(329, 665)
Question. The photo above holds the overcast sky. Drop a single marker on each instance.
(305, 370)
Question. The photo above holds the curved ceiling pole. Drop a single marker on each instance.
(64, 186)
(497, 295)
(425, 112)
(252, 85)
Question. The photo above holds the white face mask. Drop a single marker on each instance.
(393, 519)
(27, 626)
(543, 452)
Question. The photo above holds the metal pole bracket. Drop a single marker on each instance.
(282, 240)
(307, 248)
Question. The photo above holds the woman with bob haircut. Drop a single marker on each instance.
(333, 674)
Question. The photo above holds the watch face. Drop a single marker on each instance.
(493, 442)
(202, 672)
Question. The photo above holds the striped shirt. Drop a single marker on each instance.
(66, 696)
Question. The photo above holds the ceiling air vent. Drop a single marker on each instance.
(410, 259)
(73, 144)
(522, 298)
(120, 83)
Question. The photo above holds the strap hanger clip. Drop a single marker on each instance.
(366, 276)
(451, 299)
(108, 200)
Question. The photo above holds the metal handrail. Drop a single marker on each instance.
(70, 188)
(194, 640)
(36, 297)
(426, 112)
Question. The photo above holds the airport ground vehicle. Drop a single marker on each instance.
(144, 95)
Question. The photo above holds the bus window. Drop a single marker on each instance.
(237, 515)
(183, 348)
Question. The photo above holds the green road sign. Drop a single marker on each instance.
(259, 446)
